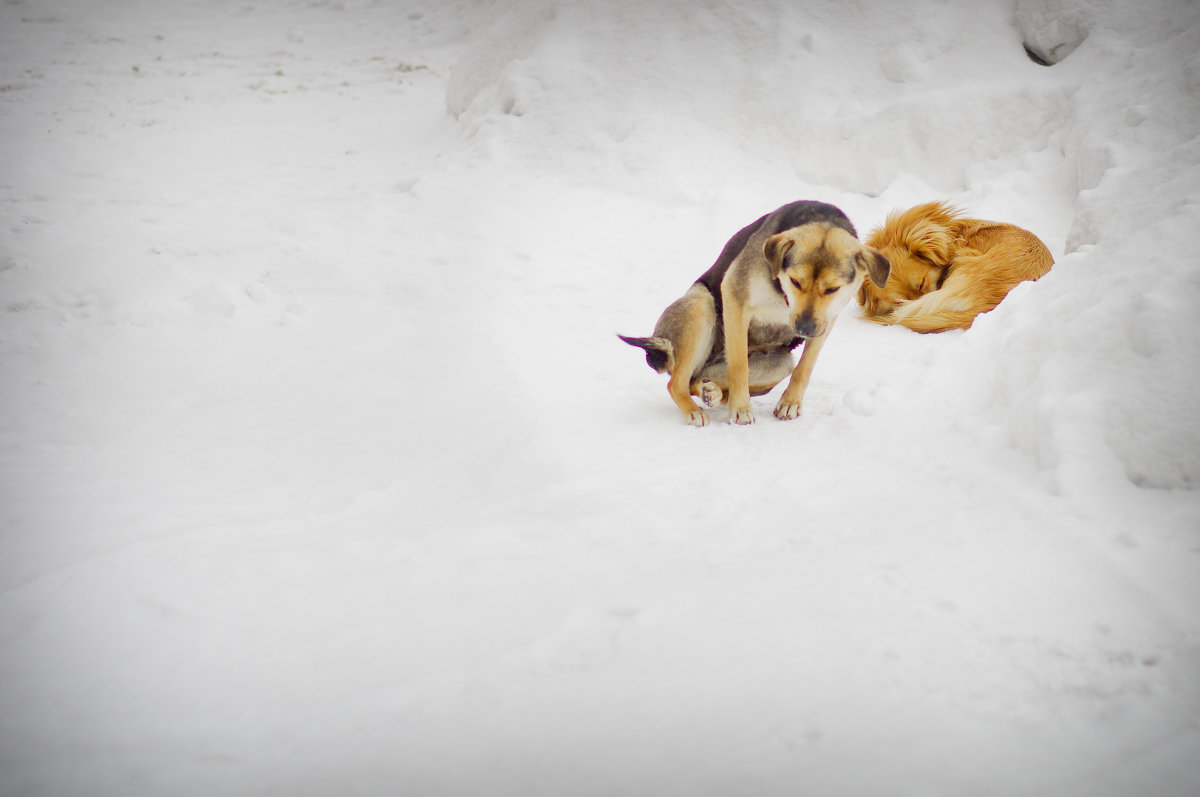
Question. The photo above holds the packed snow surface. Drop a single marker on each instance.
(324, 472)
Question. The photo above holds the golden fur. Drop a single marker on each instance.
(947, 269)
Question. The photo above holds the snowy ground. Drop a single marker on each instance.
(323, 471)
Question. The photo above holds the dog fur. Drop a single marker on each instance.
(947, 269)
(778, 282)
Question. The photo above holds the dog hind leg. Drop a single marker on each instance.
(710, 392)
(690, 355)
(690, 324)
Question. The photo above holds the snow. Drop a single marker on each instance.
(324, 472)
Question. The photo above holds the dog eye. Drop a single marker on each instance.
(796, 282)
(831, 291)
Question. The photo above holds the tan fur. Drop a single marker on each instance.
(779, 283)
(947, 269)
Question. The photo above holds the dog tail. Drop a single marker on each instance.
(933, 312)
(660, 354)
(933, 322)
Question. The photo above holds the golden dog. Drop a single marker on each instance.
(947, 269)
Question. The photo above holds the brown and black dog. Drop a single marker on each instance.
(947, 269)
(779, 282)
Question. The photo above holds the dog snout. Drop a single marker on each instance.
(806, 326)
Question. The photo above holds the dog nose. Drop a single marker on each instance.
(806, 327)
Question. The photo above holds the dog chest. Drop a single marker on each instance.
(770, 335)
(770, 319)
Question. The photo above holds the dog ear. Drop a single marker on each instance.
(932, 240)
(775, 248)
(875, 264)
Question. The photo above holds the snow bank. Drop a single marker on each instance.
(1051, 30)
(1106, 348)
(911, 103)
(825, 93)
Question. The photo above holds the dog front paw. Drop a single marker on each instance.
(787, 410)
(697, 417)
(742, 416)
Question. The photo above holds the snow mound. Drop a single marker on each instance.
(827, 95)
(1052, 29)
(840, 102)
(1101, 361)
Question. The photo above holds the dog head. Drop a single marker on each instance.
(820, 266)
(920, 244)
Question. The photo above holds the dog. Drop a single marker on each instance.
(947, 269)
(779, 282)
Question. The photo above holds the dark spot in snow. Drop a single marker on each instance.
(1036, 58)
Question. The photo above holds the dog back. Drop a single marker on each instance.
(794, 214)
